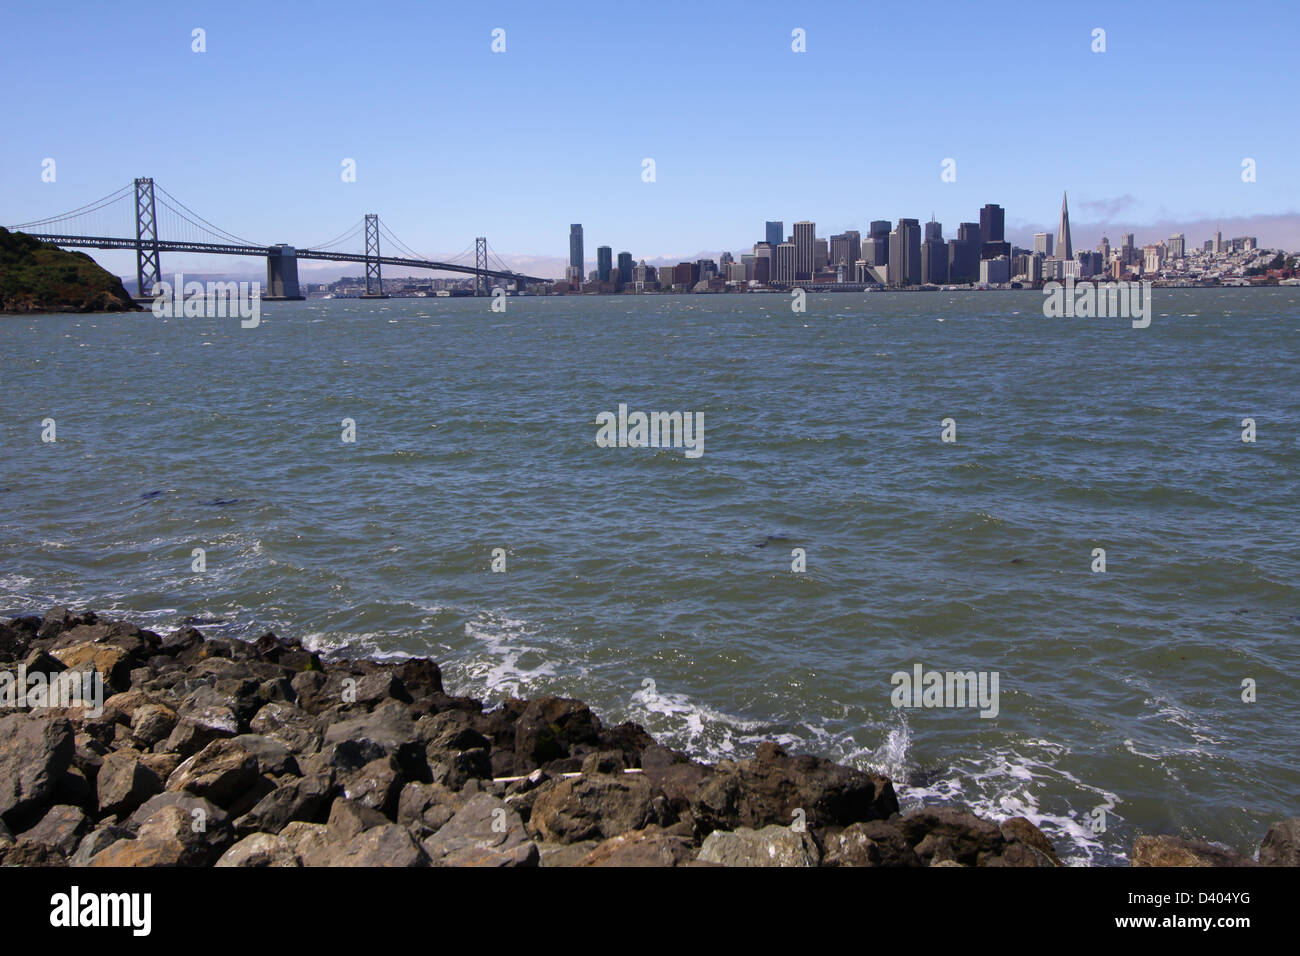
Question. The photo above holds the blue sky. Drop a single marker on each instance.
(452, 140)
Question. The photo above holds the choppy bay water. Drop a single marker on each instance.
(634, 580)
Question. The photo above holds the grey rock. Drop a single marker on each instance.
(771, 846)
(484, 832)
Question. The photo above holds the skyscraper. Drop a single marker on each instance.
(764, 262)
(992, 221)
(775, 232)
(604, 262)
(905, 253)
(625, 267)
(1043, 243)
(785, 263)
(575, 253)
(964, 254)
(846, 249)
(804, 233)
(1064, 248)
(933, 230)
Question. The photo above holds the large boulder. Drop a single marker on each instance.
(594, 807)
(484, 832)
(124, 782)
(551, 729)
(1281, 846)
(875, 843)
(35, 752)
(952, 833)
(260, 850)
(771, 846)
(61, 829)
(166, 838)
(387, 845)
(388, 731)
(305, 799)
(651, 846)
(222, 772)
(773, 788)
(1179, 851)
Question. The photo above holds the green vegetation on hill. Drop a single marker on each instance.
(38, 277)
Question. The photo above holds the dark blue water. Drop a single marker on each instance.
(634, 579)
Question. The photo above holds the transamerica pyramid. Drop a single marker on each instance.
(1064, 250)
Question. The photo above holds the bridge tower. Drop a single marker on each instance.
(148, 269)
(482, 284)
(282, 274)
(374, 274)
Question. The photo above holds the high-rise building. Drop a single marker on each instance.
(1104, 249)
(575, 248)
(764, 262)
(1177, 245)
(1126, 254)
(992, 223)
(804, 234)
(933, 230)
(775, 232)
(786, 264)
(821, 255)
(604, 262)
(1064, 247)
(1218, 241)
(846, 249)
(963, 260)
(934, 260)
(880, 229)
(1043, 243)
(875, 251)
(905, 253)
(625, 267)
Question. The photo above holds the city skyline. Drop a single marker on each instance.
(551, 152)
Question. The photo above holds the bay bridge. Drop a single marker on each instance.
(162, 223)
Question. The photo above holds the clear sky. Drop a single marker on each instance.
(452, 140)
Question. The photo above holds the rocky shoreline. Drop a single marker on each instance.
(214, 751)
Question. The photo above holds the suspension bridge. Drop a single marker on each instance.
(162, 223)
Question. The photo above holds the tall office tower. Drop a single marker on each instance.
(725, 259)
(1104, 249)
(992, 221)
(880, 229)
(964, 254)
(804, 234)
(933, 230)
(747, 260)
(775, 232)
(1064, 247)
(1126, 254)
(764, 262)
(625, 266)
(846, 249)
(821, 255)
(875, 251)
(1177, 245)
(575, 248)
(1043, 243)
(905, 253)
(934, 261)
(1218, 241)
(786, 263)
(604, 262)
